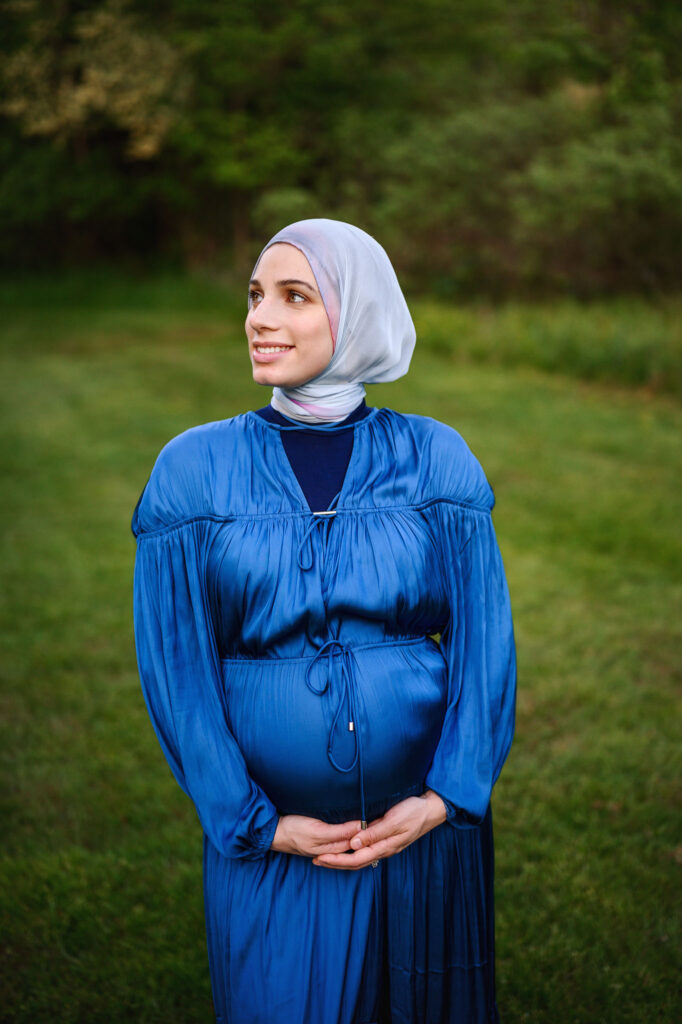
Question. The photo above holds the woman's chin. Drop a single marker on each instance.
(268, 376)
(270, 380)
(265, 375)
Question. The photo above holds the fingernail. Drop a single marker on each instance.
(356, 843)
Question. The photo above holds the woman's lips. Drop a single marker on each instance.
(270, 356)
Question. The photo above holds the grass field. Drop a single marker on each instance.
(100, 877)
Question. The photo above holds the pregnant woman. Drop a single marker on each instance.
(293, 566)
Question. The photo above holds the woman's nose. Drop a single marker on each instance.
(262, 315)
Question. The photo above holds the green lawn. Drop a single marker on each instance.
(100, 879)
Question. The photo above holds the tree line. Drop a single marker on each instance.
(493, 147)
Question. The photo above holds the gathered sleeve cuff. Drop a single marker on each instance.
(478, 646)
(182, 683)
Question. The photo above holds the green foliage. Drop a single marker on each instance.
(612, 200)
(496, 148)
(100, 872)
(446, 207)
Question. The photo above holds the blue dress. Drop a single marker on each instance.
(288, 665)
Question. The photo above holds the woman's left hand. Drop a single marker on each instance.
(399, 827)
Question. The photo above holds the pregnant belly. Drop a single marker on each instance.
(307, 730)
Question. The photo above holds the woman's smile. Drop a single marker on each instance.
(263, 353)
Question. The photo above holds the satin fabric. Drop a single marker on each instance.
(263, 631)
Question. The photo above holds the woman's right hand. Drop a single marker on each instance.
(310, 837)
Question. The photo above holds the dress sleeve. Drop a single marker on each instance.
(478, 645)
(181, 680)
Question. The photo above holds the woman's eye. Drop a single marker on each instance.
(297, 297)
(254, 298)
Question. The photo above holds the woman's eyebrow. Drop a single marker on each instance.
(286, 282)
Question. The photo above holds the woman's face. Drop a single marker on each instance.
(290, 340)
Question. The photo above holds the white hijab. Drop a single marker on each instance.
(372, 330)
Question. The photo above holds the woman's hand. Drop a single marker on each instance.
(309, 837)
(399, 827)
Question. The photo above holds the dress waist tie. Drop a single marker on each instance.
(348, 699)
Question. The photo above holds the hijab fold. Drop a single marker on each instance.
(372, 331)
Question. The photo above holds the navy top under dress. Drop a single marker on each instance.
(318, 457)
(288, 663)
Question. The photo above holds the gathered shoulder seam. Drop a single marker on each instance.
(304, 514)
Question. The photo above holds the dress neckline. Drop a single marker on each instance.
(287, 472)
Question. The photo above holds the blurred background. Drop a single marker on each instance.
(521, 162)
(497, 148)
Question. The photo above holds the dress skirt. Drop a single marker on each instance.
(408, 942)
